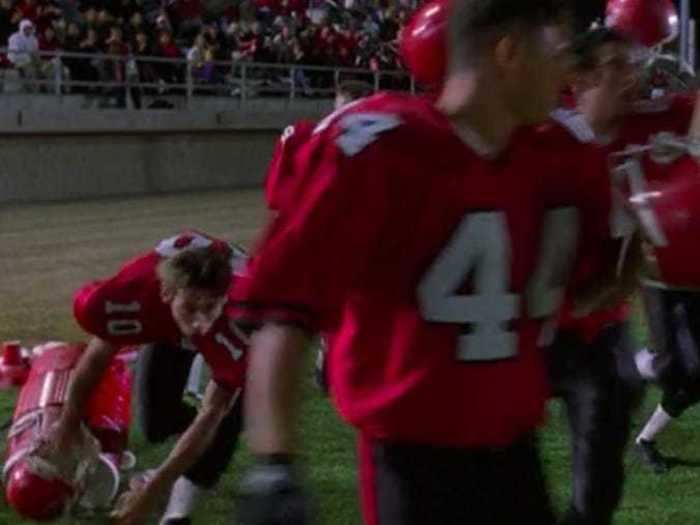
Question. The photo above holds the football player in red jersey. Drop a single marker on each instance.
(281, 191)
(174, 294)
(433, 240)
(621, 117)
(278, 186)
(664, 190)
(591, 360)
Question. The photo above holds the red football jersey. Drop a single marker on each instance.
(572, 126)
(669, 114)
(434, 267)
(127, 309)
(279, 183)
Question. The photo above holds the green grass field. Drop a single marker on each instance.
(46, 251)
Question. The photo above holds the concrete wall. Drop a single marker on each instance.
(70, 155)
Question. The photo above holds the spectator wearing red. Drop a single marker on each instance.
(250, 42)
(326, 42)
(168, 71)
(51, 65)
(167, 47)
(48, 42)
(346, 48)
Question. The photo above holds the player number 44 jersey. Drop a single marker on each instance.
(433, 267)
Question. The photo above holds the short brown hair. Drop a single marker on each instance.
(586, 46)
(201, 268)
(354, 89)
(473, 22)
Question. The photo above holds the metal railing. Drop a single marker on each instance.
(128, 76)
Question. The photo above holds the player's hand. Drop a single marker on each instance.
(63, 438)
(271, 494)
(134, 505)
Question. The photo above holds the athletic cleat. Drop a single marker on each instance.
(651, 456)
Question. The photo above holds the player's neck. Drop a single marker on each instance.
(479, 117)
(605, 130)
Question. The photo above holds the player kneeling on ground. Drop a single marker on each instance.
(174, 295)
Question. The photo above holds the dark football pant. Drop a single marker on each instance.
(161, 379)
(403, 484)
(600, 388)
(674, 326)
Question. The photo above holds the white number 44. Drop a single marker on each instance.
(480, 247)
(361, 129)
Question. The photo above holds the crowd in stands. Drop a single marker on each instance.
(346, 33)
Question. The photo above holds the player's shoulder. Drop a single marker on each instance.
(683, 106)
(401, 113)
(671, 113)
(664, 105)
(683, 101)
(565, 127)
(298, 132)
(131, 277)
(135, 284)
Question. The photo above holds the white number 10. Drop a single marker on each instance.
(480, 247)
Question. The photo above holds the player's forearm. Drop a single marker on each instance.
(273, 388)
(613, 283)
(197, 437)
(631, 267)
(90, 369)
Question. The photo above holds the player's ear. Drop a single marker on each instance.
(588, 80)
(508, 50)
(167, 294)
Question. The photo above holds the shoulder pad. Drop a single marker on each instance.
(575, 124)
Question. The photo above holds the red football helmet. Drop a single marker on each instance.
(662, 183)
(424, 44)
(36, 497)
(647, 22)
